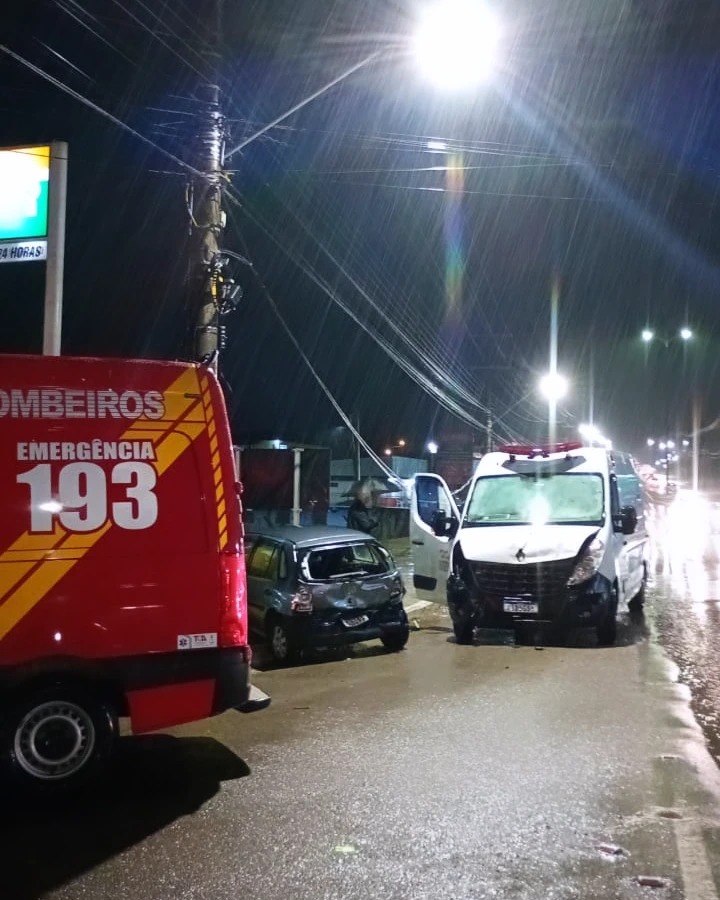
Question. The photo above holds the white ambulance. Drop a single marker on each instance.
(552, 534)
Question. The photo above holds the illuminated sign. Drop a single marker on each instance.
(24, 183)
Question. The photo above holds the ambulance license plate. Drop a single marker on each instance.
(353, 623)
(528, 607)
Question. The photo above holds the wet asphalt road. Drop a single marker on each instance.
(444, 771)
(684, 606)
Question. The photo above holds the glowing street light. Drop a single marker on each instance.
(388, 451)
(432, 447)
(685, 334)
(590, 433)
(456, 43)
(553, 386)
(593, 435)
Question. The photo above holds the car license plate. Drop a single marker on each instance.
(353, 623)
(520, 606)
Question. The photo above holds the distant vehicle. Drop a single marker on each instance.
(122, 579)
(547, 534)
(321, 586)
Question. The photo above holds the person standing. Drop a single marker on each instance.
(359, 515)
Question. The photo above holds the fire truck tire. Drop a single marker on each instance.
(57, 737)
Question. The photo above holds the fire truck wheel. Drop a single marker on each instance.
(57, 737)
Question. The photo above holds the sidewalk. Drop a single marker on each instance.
(402, 554)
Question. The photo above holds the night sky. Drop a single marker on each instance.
(593, 157)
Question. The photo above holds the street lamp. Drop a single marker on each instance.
(456, 43)
(647, 336)
(388, 451)
(593, 435)
(684, 335)
(553, 386)
(432, 449)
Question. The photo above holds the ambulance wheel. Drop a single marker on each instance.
(607, 629)
(57, 737)
(464, 629)
(638, 601)
(282, 644)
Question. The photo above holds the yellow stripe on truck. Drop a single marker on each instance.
(182, 399)
(30, 541)
(46, 576)
(216, 464)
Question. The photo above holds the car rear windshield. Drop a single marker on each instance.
(362, 558)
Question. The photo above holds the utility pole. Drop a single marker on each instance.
(696, 444)
(212, 293)
(591, 387)
(358, 465)
(207, 225)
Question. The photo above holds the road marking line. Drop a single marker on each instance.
(697, 876)
(419, 604)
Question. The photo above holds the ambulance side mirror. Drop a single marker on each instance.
(627, 520)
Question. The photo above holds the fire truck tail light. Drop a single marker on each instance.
(233, 615)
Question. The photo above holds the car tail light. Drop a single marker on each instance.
(302, 600)
(398, 588)
(233, 615)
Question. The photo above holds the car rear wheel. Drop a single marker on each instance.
(394, 641)
(282, 644)
(57, 737)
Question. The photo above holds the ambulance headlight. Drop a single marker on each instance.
(588, 562)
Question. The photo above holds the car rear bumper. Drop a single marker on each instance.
(327, 628)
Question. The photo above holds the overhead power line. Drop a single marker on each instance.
(98, 109)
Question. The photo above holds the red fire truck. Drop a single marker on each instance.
(122, 578)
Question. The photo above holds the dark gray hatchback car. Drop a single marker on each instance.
(320, 587)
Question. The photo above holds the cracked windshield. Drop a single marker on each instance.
(531, 500)
(360, 450)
